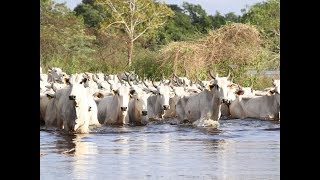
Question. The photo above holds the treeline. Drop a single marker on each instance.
(153, 38)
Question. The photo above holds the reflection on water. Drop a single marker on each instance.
(239, 149)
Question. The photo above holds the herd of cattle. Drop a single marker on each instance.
(76, 101)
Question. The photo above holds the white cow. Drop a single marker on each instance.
(178, 92)
(204, 108)
(44, 101)
(276, 85)
(112, 110)
(265, 107)
(56, 75)
(70, 107)
(180, 109)
(158, 102)
(233, 89)
(75, 110)
(52, 117)
(137, 108)
(93, 112)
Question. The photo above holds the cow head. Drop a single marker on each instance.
(276, 85)
(56, 75)
(123, 94)
(77, 89)
(163, 95)
(140, 99)
(220, 87)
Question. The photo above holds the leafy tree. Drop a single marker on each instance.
(266, 16)
(198, 16)
(178, 28)
(218, 20)
(63, 39)
(92, 14)
(232, 17)
(135, 18)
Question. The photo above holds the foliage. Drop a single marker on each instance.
(63, 38)
(235, 43)
(92, 14)
(266, 17)
(167, 39)
(135, 18)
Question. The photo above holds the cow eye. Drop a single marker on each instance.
(159, 94)
(137, 99)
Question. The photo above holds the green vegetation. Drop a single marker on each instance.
(100, 36)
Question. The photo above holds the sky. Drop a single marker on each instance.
(211, 6)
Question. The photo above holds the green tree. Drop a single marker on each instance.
(63, 39)
(135, 18)
(178, 28)
(92, 14)
(266, 16)
(198, 16)
(218, 20)
(232, 17)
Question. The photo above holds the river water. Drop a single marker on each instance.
(238, 149)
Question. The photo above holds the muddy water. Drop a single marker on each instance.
(239, 149)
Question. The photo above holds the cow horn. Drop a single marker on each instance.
(119, 79)
(210, 73)
(107, 81)
(128, 78)
(154, 84)
(145, 84)
(169, 82)
(228, 74)
(136, 78)
(178, 82)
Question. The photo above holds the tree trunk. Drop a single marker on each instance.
(130, 50)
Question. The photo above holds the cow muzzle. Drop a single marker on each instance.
(144, 113)
(71, 97)
(123, 108)
(166, 107)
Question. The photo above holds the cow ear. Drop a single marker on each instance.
(115, 92)
(50, 95)
(211, 86)
(98, 95)
(132, 92)
(84, 80)
(240, 92)
(67, 80)
(272, 91)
